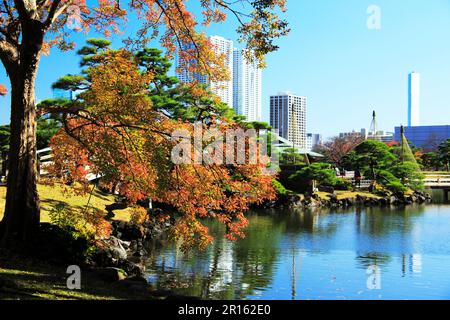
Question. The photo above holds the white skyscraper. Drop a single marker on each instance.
(288, 118)
(223, 89)
(414, 99)
(247, 87)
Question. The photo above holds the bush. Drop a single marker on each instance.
(59, 245)
(343, 185)
(279, 188)
(88, 223)
(138, 216)
(320, 172)
(409, 173)
(391, 182)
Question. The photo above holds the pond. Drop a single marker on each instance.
(357, 253)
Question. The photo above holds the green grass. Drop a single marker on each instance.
(39, 281)
(53, 195)
(347, 194)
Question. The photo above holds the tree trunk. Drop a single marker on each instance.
(22, 211)
(21, 219)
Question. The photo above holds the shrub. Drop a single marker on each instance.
(138, 215)
(320, 172)
(343, 185)
(391, 182)
(88, 223)
(409, 174)
(279, 188)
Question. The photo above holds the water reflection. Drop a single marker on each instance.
(317, 254)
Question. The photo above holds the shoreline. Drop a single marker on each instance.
(336, 200)
(117, 270)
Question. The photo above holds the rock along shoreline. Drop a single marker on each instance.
(315, 201)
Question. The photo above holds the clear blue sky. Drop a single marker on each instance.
(345, 69)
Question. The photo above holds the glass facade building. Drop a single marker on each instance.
(425, 137)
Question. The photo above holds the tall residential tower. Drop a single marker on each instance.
(247, 84)
(288, 118)
(223, 89)
(414, 99)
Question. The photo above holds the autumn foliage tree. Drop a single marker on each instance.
(337, 148)
(115, 130)
(30, 28)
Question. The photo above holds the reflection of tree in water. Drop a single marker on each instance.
(226, 270)
(365, 260)
(376, 221)
(306, 221)
(384, 231)
(257, 254)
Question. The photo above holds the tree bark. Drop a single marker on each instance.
(22, 211)
(22, 216)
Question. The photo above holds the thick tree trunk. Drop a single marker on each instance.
(22, 211)
(21, 220)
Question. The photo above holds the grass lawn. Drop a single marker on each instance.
(54, 195)
(39, 281)
(347, 194)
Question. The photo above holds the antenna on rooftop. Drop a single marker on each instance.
(373, 132)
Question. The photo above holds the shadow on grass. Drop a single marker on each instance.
(39, 281)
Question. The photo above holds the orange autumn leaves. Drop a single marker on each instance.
(118, 135)
(3, 90)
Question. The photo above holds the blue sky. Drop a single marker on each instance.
(345, 69)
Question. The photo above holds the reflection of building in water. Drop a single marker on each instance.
(414, 261)
(222, 266)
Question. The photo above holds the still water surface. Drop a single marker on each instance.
(367, 253)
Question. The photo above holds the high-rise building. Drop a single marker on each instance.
(313, 140)
(247, 87)
(223, 89)
(288, 118)
(414, 99)
(185, 76)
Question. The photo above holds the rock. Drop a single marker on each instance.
(421, 199)
(112, 274)
(360, 199)
(113, 247)
(137, 284)
(351, 202)
(326, 189)
(131, 268)
(138, 279)
(182, 298)
(137, 248)
(333, 198)
(6, 283)
(128, 231)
